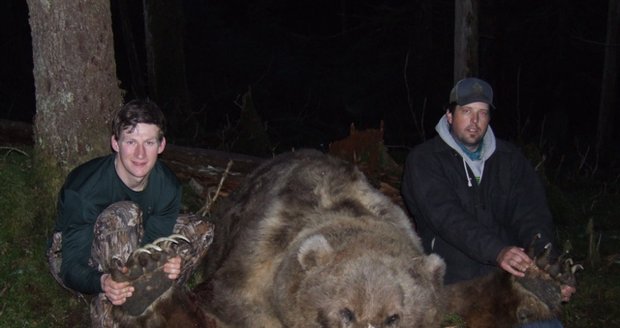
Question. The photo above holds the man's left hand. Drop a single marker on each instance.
(173, 267)
(567, 291)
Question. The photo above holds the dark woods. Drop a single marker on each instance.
(310, 69)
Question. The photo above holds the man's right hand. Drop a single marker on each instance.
(116, 292)
(514, 260)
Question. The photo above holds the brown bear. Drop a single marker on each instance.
(501, 300)
(307, 242)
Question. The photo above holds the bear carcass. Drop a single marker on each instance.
(307, 242)
(501, 300)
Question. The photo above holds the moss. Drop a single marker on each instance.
(49, 177)
(15, 200)
(33, 298)
(453, 321)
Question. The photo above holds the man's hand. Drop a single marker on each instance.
(514, 260)
(173, 267)
(567, 292)
(116, 292)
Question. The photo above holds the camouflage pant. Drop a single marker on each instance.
(118, 232)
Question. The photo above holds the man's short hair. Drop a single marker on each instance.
(138, 111)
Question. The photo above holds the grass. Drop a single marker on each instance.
(29, 296)
(597, 302)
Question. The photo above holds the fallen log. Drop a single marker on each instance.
(15, 133)
(203, 168)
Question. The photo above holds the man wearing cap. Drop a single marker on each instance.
(476, 200)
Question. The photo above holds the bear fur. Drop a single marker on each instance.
(307, 242)
(501, 300)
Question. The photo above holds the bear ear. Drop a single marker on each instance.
(432, 267)
(314, 251)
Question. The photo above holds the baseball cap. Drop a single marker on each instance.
(471, 89)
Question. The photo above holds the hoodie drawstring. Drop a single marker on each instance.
(467, 173)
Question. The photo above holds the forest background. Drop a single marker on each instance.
(310, 69)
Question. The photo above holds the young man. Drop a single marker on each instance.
(111, 205)
(476, 200)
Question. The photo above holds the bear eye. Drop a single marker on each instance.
(347, 315)
(392, 319)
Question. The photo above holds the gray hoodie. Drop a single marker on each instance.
(477, 166)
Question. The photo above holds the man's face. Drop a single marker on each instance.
(137, 152)
(469, 123)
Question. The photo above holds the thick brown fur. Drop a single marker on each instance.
(307, 242)
(177, 308)
(501, 300)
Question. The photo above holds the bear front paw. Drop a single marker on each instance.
(145, 272)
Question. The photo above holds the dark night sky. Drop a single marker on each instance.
(310, 80)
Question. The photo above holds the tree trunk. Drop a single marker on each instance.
(76, 88)
(165, 57)
(465, 38)
(609, 84)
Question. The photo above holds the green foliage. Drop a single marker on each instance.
(597, 302)
(562, 209)
(453, 321)
(15, 192)
(29, 296)
(49, 178)
(249, 136)
(586, 207)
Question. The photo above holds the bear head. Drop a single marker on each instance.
(345, 287)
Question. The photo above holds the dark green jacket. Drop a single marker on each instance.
(468, 226)
(87, 191)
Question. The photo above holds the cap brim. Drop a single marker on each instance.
(469, 100)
